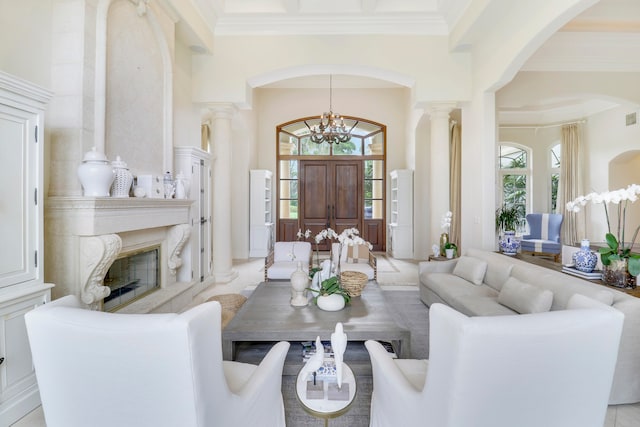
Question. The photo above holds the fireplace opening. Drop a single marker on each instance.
(131, 277)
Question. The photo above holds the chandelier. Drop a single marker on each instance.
(331, 127)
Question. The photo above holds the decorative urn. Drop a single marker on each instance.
(299, 283)
(509, 244)
(123, 179)
(585, 260)
(95, 174)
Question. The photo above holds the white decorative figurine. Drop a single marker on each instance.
(339, 345)
(315, 361)
(436, 250)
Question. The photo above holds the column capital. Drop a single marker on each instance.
(440, 110)
(221, 110)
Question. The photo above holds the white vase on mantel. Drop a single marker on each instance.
(299, 284)
(333, 302)
(95, 174)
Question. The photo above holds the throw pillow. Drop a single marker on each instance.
(470, 269)
(358, 254)
(524, 298)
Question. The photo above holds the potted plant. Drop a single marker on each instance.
(451, 250)
(331, 296)
(508, 218)
(620, 265)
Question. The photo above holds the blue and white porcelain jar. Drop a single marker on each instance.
(509, 244)
(585, 260)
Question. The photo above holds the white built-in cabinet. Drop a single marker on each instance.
(400, 243)
(261, 226)
(195, 165)
(22, 286)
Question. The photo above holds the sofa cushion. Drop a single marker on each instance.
(482, 306)
(471, 269)
(524, 298)
(450, 287)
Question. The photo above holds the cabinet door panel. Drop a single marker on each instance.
(17, 212)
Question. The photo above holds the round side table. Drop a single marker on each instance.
(325, 408)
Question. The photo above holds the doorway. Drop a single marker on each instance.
(337, 186)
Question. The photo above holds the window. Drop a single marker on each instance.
(367, 139)
(373, 189)
(515, 177)
(554, 154)
(288, 190)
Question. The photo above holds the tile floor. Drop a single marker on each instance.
(392, 273)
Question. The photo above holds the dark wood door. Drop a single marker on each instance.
(330, 195)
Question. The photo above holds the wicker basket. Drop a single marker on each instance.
(353, 282)
(231, 302)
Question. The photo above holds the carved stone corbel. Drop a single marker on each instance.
(97, 253)
(177, 238)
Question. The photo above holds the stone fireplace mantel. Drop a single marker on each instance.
(94, 216)
(86, 234)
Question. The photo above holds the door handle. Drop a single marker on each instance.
(328, 216)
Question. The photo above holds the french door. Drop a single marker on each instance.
(330, 195)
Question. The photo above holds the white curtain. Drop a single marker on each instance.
(570, 185)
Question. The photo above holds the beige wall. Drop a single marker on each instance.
(423, 63)
(25, 39)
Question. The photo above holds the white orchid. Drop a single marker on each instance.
(617, 248)
(445, 222)
(306, 234)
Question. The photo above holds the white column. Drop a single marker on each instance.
(439, 170)
(223, 271)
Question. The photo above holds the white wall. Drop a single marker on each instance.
(25, 39)
(607, 138)
(186, 115)
(424, 63)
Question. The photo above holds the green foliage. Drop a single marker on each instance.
(331, 286)
(508, 218)
(613, 253)
(453, 246)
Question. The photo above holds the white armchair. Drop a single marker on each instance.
(545, 369)
(283, 260)
(367, 265)
(104, 369)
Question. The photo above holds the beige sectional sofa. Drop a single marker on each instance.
(483, 283)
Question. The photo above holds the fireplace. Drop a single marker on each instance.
(121, 254)
(131, 277)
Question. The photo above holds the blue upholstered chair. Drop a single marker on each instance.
(544, 235)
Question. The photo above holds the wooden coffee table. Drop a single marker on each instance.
(268, 316)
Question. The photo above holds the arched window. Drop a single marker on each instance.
(514, 170)
(554, 179)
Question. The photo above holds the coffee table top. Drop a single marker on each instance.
(268, 316)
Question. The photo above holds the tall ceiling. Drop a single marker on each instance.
(606, 38)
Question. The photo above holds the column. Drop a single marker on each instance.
(223, 271)
(439, 167)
